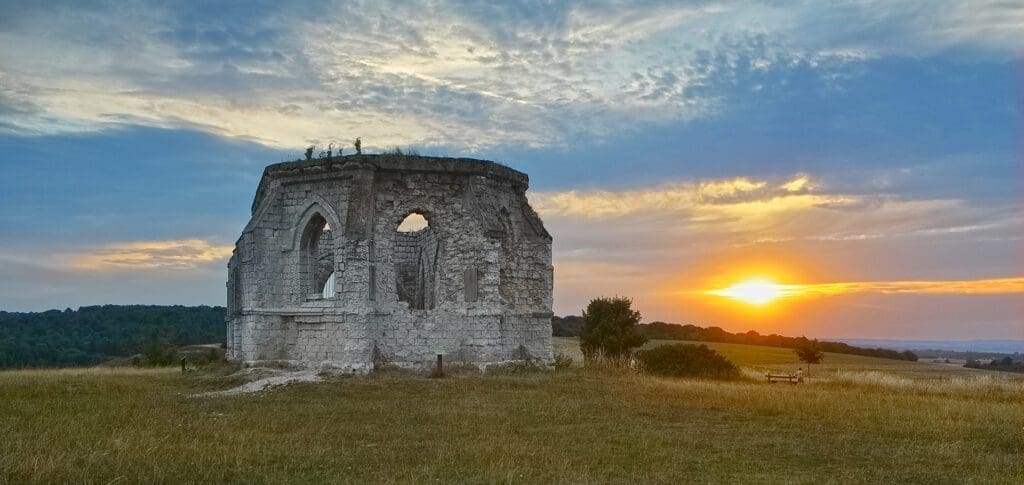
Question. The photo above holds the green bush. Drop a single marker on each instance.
(158, 350)
(682, 360)
(160, 355)
(562, 361)
(211, 356)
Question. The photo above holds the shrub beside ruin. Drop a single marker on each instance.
(683, 360)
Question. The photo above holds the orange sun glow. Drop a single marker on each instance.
(754, 291)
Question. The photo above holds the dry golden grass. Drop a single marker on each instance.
(764, 359)
(577, 425)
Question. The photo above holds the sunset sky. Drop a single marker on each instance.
(860, 161)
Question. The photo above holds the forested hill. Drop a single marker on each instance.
(93, 334)
(570, 327)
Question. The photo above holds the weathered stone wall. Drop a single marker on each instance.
(474, 286)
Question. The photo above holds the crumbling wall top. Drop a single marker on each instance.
(391, 163)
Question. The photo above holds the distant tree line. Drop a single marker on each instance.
(1005, 364)
(965, 355)
(93, 334)
(570, 326)
(567, 326)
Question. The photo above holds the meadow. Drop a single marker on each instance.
(858, 419)
(777, 359)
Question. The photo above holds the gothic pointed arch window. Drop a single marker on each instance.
(317, 259)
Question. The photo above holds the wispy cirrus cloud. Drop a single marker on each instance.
(171, 254)
(678, 196)
(188, 271)
(463, 74)
(751, 210)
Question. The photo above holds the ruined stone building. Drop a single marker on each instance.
(368, 260)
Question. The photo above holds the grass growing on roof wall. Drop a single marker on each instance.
(573, 425)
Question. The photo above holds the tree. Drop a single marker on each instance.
(808, 353)
(359, 146)
(609, 329)
(309, 152)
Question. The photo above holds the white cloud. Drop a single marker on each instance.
(172, 254)
(452, 73)
(685, 220)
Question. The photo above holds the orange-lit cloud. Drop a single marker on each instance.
(149, 255)
(724, 197)
(744, 211)
(667, 246)
(993, 286)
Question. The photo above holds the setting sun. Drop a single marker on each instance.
(753, 292)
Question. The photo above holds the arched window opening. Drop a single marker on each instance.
(317, 259)
(416, 260)
(328, 291)
(413, 223)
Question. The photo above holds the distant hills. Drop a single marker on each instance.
(94, 334)
(980, 346)
(570, 327)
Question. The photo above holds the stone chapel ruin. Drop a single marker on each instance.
(368, 260)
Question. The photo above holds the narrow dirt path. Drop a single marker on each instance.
(266, 383)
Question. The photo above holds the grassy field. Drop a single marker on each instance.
(756, 357)
(870, 422)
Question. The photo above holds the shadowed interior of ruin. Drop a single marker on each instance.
(416, 261)
(318, 257)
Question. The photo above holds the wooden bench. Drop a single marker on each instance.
(792, 379)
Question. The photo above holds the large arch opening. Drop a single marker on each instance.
(317, 259)
(416, 260)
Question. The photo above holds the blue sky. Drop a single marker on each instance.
(669, 144)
